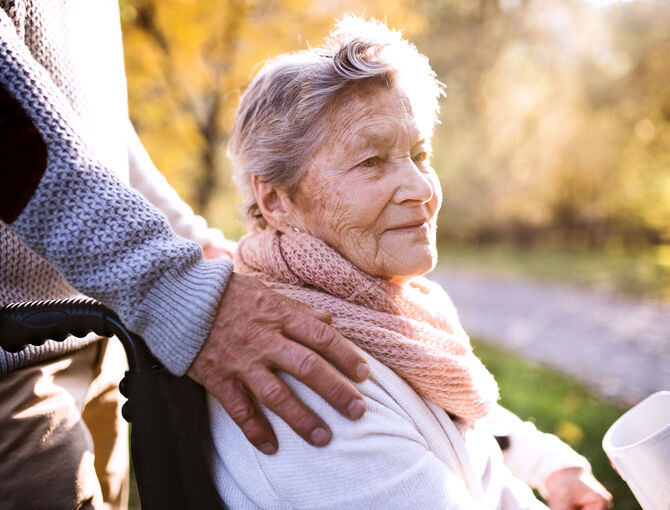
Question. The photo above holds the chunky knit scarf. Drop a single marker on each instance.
(412, 328)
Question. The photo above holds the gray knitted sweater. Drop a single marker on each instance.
(83, 227)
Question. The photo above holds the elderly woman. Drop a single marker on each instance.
(331, 150)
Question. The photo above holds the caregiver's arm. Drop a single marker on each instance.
(152, 184)
(113, 245)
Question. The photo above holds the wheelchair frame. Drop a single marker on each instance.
(168, 452)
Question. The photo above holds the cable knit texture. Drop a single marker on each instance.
(104, 238)
(412, 328)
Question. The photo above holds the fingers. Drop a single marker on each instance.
(597, 499)
(576, 488)
(224, 248)
(276, 396)
(322, 315)
(246, 414)
(216, 252)
(325, 340)
(257, 331)
(596, 505)
(307, 366)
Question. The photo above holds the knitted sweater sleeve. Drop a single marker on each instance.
(107, 241)
(152, 184)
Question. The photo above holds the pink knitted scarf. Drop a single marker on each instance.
(412, 328)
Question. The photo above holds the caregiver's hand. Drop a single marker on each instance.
(225, 249)
(256, 332)
(576, 489)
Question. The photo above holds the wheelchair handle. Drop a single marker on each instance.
(35, 322)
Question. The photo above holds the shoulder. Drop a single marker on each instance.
(382, 459)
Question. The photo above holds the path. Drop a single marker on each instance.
(618, 346)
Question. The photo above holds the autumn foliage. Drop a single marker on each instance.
(555, 128)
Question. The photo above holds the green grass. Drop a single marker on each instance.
(556, 404)
(134, 498)
(641, 272)
(559, 405)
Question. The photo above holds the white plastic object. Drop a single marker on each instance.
(638, 446)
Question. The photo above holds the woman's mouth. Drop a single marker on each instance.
(408, 228)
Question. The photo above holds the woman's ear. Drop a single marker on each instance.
(272, 202)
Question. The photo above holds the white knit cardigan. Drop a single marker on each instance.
(404, 453)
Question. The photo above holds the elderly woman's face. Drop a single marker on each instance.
(370, 191)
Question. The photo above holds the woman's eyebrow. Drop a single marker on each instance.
(378, 137)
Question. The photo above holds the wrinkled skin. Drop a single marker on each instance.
(370, 191)
(243, 351)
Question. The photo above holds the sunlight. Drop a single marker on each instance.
(607, 3)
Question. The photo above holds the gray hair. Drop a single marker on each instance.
(278, 124)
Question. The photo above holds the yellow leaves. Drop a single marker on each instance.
(188, 60)
(663, 256)
(538, 126)
(645, 130)
(569, 432)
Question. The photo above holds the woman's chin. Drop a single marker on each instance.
(412, 265)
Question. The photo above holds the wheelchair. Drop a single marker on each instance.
(169, 453)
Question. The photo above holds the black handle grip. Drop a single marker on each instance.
(35, 322)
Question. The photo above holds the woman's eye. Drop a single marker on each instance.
(420, 157)
(370, 162)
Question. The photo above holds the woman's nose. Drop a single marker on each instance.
(415, 184)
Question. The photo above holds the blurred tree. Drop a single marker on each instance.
(555, 124)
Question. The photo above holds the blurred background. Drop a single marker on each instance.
(555, 129)
(554, 156)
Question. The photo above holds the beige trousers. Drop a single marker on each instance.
(63, 442)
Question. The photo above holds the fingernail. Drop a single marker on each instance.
(319, 436)
(267, 448)
(356, 408)
(324, 315)
(363, 370)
